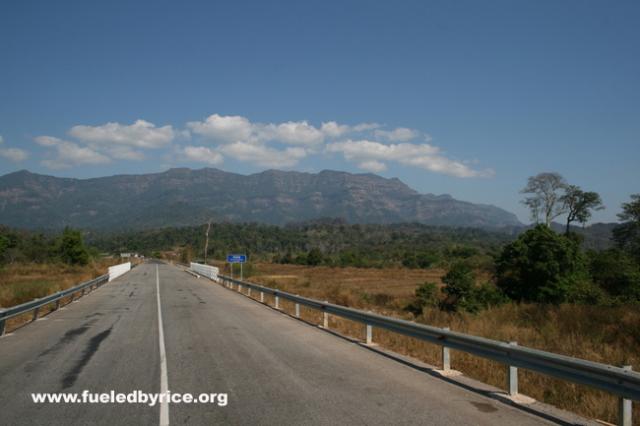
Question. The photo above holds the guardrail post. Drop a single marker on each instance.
(2, 322)
(297, 310)
(239, 288)
(57, 304)
(446, 356)
(512, 377)
(35, 314)
(277, 301)
(249, 291)
(325, 316)
(262, 297)
(624, 407)
(369, 334)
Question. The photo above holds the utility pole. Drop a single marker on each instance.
(206, 242)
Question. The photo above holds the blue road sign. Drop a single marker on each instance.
(236, 258)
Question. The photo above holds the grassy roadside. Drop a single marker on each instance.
(607, 335)
(23, 282)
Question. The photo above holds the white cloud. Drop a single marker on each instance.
(120, 152)
(334, 130)
(202, 154)
(263, 155)
(14, 155)
(292, 133)
(425, 156)
(363, 127)
(235, 128)
(275, 145)
(373, 166)
(140, 134)
(399, 134)
(231, 128)
(48, 141)
(101, 144)
(69, 154)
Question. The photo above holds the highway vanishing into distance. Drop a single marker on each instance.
(158, 328)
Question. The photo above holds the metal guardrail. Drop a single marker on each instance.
(36, 304)
(620, 381)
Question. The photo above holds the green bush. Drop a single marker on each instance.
(460, 285)
(427, 295)
(617, 273)
(541, 266)
(463, 294)
(423, 259)
(71, 248)
(487, 294)
(314, 257)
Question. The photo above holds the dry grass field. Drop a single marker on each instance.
(608, 335)
(23, 282)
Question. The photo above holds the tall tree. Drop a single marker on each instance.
(627, 234)
(579, 204)
(72, 249)
(546, 191)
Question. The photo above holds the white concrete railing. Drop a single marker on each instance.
(117, 270)
(208, 271)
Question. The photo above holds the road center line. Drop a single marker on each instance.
(164, 381)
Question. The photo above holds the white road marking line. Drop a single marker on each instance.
(164, 381)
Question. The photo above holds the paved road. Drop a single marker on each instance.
(275, 370)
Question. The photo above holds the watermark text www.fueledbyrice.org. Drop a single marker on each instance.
(135, 397)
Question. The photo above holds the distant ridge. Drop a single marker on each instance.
(182, 197)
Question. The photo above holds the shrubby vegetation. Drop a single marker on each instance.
(22, 246)
(324, 242)
(542, 265)
(545, 267)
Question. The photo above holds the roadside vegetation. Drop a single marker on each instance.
(607, 334)
(542, 289)
(545, 286)
(34, 265)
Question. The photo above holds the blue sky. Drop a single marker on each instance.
(466, 98)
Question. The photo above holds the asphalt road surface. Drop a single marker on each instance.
(158, 328)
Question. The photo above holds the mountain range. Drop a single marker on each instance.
(182, 197)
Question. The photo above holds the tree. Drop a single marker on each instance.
(427, 294)
(71, 248)
(578, 204)
(463, 293)
(314, 257)
(545, 199)
(616, 272)
(541, 266)
(4, 245)
(421, 259)
(627, 234)
(459, 285)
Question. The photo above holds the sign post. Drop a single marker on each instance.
(236, 258)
